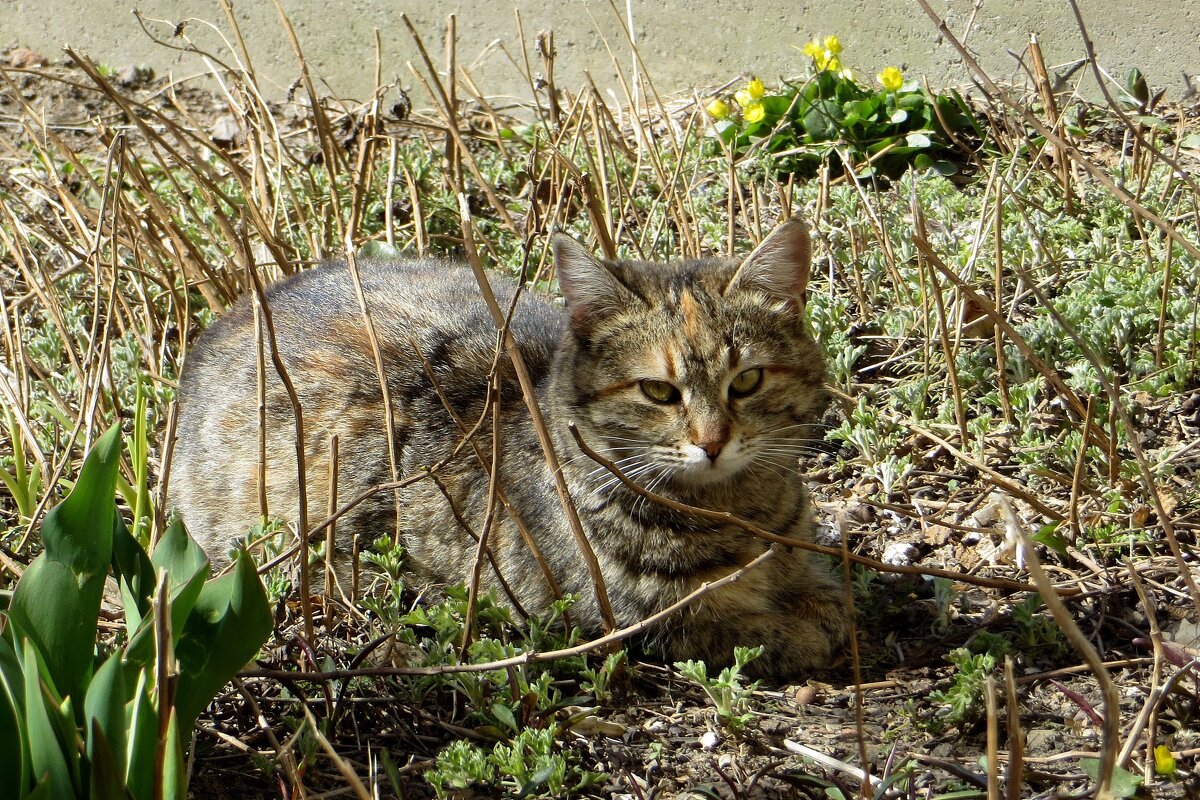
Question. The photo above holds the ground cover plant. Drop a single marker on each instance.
(1008, 476)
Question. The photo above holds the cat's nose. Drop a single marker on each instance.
(711, 445)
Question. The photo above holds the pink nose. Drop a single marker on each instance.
(711, 445)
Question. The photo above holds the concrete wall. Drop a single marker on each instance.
(684, 43)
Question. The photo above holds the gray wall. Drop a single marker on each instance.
(684, 43)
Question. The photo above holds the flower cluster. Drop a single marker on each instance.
(831, 117)
(825, 54)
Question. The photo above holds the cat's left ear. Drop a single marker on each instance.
(779, 266)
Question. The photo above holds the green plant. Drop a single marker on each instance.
(530, 765)
(804, 124)
(598, 682)
(25, 481)
(726, 691)
(962, 701)
(79, 722)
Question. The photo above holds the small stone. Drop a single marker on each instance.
(860, 513)
(901, 554)
(709, 740)
(725, 760)
(986, 516)
(937, 535)
(971, 538)
(227, 131)
(827, 535)
(805, 694)
(24, 58)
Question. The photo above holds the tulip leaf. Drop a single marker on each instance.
(230, 621)
(134, 574)
(104, 713)
(141, 741)
(78, 531)
(186, 566)
(57, 601)
(46, 751)
(106, 778)
(174, 774)
(14, 746)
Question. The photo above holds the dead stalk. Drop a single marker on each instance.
(1110, 739)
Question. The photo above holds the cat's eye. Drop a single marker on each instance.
(660, 391)
(746, 382)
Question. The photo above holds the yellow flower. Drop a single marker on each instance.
(717, 109)
(834, 64)
(1164, 761)
(756, 89)
(891, 79)
(743, 98)
(833, 44)
(814, 50)
(754, 113)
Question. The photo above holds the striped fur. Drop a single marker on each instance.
(686, 331)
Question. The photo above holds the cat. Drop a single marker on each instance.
(697, 377)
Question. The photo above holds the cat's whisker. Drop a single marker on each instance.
(619, 464)
(630, 474)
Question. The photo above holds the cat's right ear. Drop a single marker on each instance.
(590, 290)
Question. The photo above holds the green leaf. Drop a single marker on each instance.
(505, 714)
(186, 566)
(230, 622)
(919, 140)
(1047, 535)
(46, 751)
(14, 744)
(1137, 88)
(106, 778)
(78, 531)
(134, 574)
(57, 611)
(174, 775)
(1124, 783)
(142, 741)
(104, 712)
(377, 249)
(57, 601)
(945, 168)
(821, 121)
(898, 116)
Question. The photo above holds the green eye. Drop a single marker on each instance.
(660, 391)
(746, 382)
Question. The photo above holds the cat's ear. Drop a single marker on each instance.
(591, 291)
(779, 266)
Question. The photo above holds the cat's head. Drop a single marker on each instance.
(692, 373)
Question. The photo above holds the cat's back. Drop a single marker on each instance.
(423, 301)
(437, 342)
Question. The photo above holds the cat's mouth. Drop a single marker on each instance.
(697, 468)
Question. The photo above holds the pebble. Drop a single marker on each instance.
(901, 554)
(709, 740)
(827, 535)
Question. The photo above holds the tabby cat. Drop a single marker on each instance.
(696, 377)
